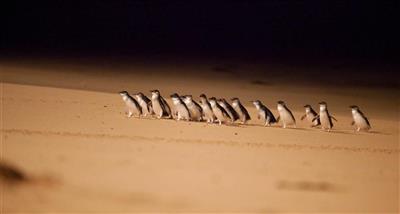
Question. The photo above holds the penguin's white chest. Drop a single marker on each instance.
(218, 113)
(360, 120)
(263, 114)
(325, 121)
(286, 116)
(157, 106)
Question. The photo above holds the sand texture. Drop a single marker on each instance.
(63, 128)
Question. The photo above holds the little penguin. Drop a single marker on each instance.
(195, 109)
(132, 106)
(219, 112)
(359, 119)
(241, 110)
(160, 106)
(206, 107)
(228, 108)
(180, 111)
(324, 117)
(145, 104)
(310, 115)
(264, 113)
(285, 115)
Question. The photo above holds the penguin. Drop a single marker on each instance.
(160, 106)
(228, 108)
(240, 110)
(196, 112)
(132, 106)
(285, 115)
(219, 112)
(264, 113)
(208, 114)
(359, 119)
(145, 104)
(324, 117)
(310, 115)
(180, 111)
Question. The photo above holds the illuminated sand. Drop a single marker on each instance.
(84, 155)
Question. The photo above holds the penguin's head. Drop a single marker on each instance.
(257, 103)
(213, 101)
(154, 93)
(124, 93)
(175, 98)
(235, 101)
(354, 107)
(307, 107)
(174, 95)
(322, 106)
(189, 98)
(138, 95)
(221, 102)
(203, 96)
(281, 105)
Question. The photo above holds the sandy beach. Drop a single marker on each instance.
(63, 126)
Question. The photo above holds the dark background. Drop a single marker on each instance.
(302, 31)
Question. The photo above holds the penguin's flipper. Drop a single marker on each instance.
(258, 116)
(366, 120)
(165, 106)
(235, 115)
(224, 112)
(315, 118)
(198, 107)
(146, 99)
(246, 113)
(333, 118)
(302, 117)
(352, 123)
(278, 118)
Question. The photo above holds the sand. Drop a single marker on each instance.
(63, 127)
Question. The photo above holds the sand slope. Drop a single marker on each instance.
(81, 153)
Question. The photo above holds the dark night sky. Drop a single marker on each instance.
(337, 29)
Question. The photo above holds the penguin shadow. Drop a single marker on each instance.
(249, 125)
(336, 131)
(307, 186)
(353, 132)
(237, 125)
(374, 132)
(276, 126)
(260, 82)
(228, 68)
(371, 133)
(11, 175)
